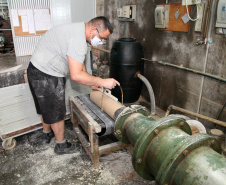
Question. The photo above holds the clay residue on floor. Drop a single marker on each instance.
(32, 163)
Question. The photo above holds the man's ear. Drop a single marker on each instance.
(93, 29)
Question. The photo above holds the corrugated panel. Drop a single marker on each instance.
(26, 45)
(29, 4)
(24, 60)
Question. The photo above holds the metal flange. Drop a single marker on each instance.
(123, 116)
(177, 155)
(142, 143)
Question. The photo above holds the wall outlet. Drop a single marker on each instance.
(190, 2)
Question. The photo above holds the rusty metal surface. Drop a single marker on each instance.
(100, 49)
(221, 123)
(111, 147)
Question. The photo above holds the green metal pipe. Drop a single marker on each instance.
(189, 70)
(135, 126)
(164, 150)
(160, 147)
(202, 167)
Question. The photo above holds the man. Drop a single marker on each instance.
(61, 50)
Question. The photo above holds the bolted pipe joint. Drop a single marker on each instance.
(164, 148)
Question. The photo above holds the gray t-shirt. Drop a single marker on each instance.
(50, 55)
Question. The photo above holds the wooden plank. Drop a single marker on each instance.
(90, 128)
(177, 24)
(86, 117)
(19, 132)
(95, 156)
(111, 147)
(82, 123)
(25, 78)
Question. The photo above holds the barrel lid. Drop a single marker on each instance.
(124, 39)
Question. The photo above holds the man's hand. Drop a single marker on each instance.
(110, 83)
(96, 88)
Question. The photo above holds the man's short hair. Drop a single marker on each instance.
(102, 23)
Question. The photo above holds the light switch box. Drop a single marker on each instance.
(162, 16)
(221, 14)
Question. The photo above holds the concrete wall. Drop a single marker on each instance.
(172, 86)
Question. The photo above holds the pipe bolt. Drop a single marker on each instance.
(118, 132)
(211, 142)
(139, 160)
(156, 131)
(185, 152)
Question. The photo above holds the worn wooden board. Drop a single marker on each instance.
(178, 24)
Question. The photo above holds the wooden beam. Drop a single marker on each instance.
(111, 147)
(85, 115)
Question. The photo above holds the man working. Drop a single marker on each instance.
(61, 50)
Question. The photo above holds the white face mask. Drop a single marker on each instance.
(95, 41)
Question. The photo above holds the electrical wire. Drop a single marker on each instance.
(188, 12)
(121, 92)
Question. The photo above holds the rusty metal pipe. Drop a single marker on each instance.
(189, 70)
(221, 123)
(150, 90)
(100, 49)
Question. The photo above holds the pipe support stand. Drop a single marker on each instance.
(140, 148)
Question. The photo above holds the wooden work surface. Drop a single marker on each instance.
(177, 24)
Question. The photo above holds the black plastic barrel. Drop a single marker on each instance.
(125, 62)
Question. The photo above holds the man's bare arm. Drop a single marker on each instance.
(77, 74)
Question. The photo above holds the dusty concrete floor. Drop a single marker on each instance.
(32, 163)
